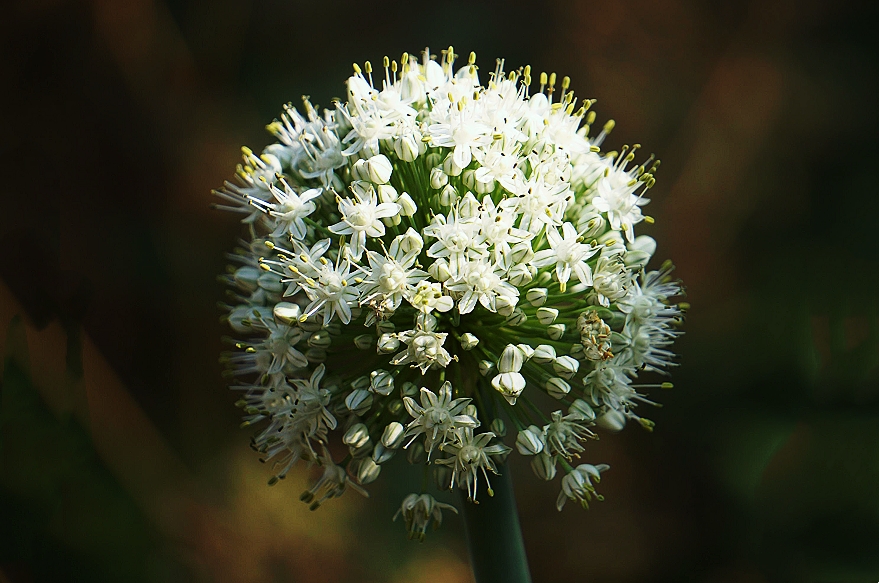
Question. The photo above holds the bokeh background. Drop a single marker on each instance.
(120, 453)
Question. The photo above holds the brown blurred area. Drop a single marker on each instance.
(120, 453)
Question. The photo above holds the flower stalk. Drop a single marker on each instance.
(494, 536)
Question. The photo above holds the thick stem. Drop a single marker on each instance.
(494, 537)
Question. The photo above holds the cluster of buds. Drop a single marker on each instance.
(426, 257)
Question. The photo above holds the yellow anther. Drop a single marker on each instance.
(386, 62)
(293, 268)
(667, 386)
(265, 267)
(303, 257)
(269, 244)
(472, 59)
(566, 82)
(367, 66)
(394, 66)
(356, 69)
(649, 220)
(608, 127)
(610, 243)
(543, 78)
(590, 117)
(358, 280)
(303, 318)
(246, 151)
(323, 261)
(552, 79)
(563, 286)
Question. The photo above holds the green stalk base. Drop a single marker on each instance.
(494, 537)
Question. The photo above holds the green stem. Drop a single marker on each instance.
(494, 537)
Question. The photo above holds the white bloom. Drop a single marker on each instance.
(361, 218)
(437, 417)
(568, 254)
(470, 456)
(419, 511)
(577, 485)
(424, 206)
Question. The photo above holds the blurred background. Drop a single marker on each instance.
(120, 453)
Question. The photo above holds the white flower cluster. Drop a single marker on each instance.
(422, 258)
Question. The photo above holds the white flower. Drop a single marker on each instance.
(616, 197)
(568, 254)
(470, 456)
(418, 511)
(481, 281)
(361, 218)
(398, 230)
(424, 350)
(437, 417)
(577, 485)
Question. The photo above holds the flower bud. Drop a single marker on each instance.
(406, 148)
(469, 206)
(407, 205)
(379, 169)
(361, 382)
(565, 366)
(364, 341)
(359, 401)
(316, 355)
(485, 187)
(526, 349)
(468, 341)
(543, 466)
(448, 195)
(504, 305)
(536, 296)
(392, 436)
(270, 282)
(385, 327)
(381, 454)
(498, 427)
(356, 436)
(440, 270)
(426, 322)
(368, 471)
(286, 313)
(511, 359)
(450, 168)
(521, 253)
(510, 385)
(388, 343)
(438, 178)
(433, 159)
(320, 339)
(381, 382)
(582, 409)
(410, 241)
(517, 318)
(555, 331)
(612, 420)
(544, 354)
(557, 388)
(359, 170)
(415, 453)
(520, 275)
(409, 389)
(547, 316)
(485, 367)
(387, 193)
(468, 178)
(530, 441)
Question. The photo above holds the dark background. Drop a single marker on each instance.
(120, 456)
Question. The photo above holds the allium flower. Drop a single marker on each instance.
(425, 258)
